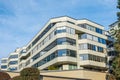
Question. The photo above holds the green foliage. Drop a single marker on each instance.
(30, 78)
(110, 76)
(52, 68)
(118, 6)
(4, 76)
(117, 43)
(116, 61)
(17, 78)
(116, 67)
(118, 15)
(30, 72)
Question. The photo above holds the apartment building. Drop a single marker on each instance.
(113, 29)
(111, 53)
(4, 64)
(21, 64)
(64, 43)
(111, 39)
(13, 60)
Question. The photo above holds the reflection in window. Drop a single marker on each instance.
(86, 46)
(91, 37)
(91, 57)
(58, 53)
(65, 29)
(13, 69)
(91, 28)
(3, 66)
(3, 61)
(13, 56)
(13, 62)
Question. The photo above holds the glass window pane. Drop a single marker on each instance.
(89, 36)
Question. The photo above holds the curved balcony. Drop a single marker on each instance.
(89, 63)
(59, 60)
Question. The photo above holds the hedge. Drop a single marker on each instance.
(30, 72)
(17, 78)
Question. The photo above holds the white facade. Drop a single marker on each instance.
(13, 60)
(4, 64)
(66, 43)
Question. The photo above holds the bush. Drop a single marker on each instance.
(30, 78)
(30, 74)
(17, 78)
(52, 68)
(4, 76)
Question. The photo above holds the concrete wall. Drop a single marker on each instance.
(13, 74)
(81, 74)
(69, 75)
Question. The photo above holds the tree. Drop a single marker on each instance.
(116, 60)
(28, 74)
(4, 76)
(17, 78)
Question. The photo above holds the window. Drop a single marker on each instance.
(83, 56)
(36, 56)
(66, 41)
(3, 61)
(61, 41)
(68, 30)
(83, 46)
(89, 36)
(58, 53)
(3, 66)
(99, 30)
(43, 33)
(72, 31)
(95, 38)
(83, 36)
(52, 35)
(100, 40)
(92, 47)
(103, 41)
(82, 25)
(90, 27)
(35, 49)
(13, 56)
(62, 53)
(46, 39)
(71, 66)
(60, 30)
(86, 46)
(100, 49)
(65, 29)
(92, 57)
(13, 69)
(13, 62)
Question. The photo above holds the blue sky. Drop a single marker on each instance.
(20, 20)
